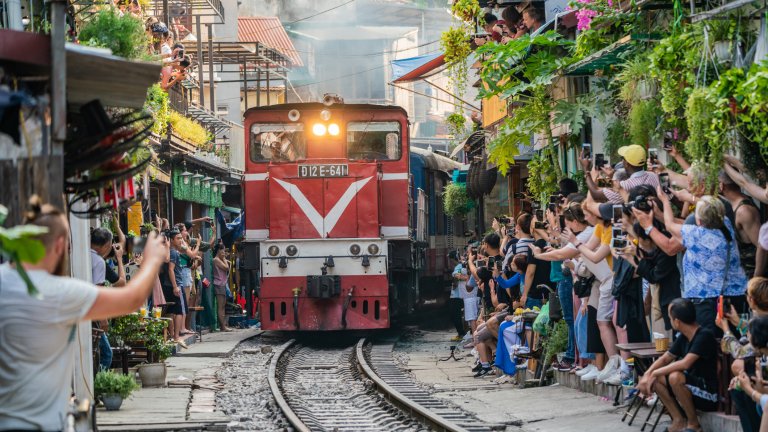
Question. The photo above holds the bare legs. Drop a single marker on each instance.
(608, 336)
(679, 395)
(221, 302)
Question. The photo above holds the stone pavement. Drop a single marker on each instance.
(552, 409)
(188, 403)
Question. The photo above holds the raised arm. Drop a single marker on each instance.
(759, 193)
(112, 303)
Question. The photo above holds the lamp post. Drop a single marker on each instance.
(185, 176)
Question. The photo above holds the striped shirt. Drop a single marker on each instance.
(640, 178)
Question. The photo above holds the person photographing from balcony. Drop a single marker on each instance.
(38, 334)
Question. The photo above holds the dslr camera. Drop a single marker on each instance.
(641, 203)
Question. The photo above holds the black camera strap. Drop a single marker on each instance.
(727, 235)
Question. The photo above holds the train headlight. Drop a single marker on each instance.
(318, 129)
(373, 249)
(354, 249)
(325, 115)
(273, 251)
(291, 250)
(333, 129)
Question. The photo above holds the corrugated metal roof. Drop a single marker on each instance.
(270, 32)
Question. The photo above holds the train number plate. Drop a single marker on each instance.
(327, 170)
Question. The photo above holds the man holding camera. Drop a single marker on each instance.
(101, 248)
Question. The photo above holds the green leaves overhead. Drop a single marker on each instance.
(574, 114)
(523, 64)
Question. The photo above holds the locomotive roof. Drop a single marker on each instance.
(320, 106)
(435, 161)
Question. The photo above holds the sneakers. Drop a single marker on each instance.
(504, 379)
(616, 379)
(610, 368)
(563, 366)
(591, 375)
(477, 367)
(483, 372)
(586, 370)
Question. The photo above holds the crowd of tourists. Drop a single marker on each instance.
(641, 253)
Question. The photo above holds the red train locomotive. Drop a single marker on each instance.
(327, 202)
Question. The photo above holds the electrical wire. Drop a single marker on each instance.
(352, 74)
(309, 17)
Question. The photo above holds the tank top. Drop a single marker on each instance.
(747, 251)
(220, 276)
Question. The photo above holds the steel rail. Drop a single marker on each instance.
(394, 396)
(288, 412)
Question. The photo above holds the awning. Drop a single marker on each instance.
(417, 68)
(600, 60)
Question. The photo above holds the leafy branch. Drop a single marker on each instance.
(19, 244)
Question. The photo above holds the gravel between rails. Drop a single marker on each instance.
(246, 397)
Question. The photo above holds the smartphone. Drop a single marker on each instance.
(599, 160)
(540, 215)
(552, 207)
(554, 199)
(562, 222)
(539, 225)
(586, 151)
(720, 306)
(138, 245)
(617, 232)
(618, 209)
(664, 182)
(653, 154)
(618, 243)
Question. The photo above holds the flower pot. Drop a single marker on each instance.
(112, 402)
(723, 51)
(646, 89)
(152, 374)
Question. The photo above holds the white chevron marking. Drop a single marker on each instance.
(323, 225)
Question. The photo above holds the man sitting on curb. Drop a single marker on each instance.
(685, 377)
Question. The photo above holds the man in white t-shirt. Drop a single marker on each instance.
(38, 334)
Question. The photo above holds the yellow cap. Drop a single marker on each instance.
(633, 154)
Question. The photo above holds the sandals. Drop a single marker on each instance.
(182, 344)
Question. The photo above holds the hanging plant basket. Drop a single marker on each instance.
(456, 202)
(646, 89)
(722, 51)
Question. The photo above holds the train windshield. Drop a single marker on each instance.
(373, 140)
(278, 142)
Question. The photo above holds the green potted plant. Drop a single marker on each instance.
(721, 34)
(153, 374)
(124, 35)
(123, 329)
(112, 388)
(634, 80)
(456, 202)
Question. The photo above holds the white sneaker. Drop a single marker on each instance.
(586, 370)
(503, 379)
(651, 400)
(615, 379)
(610, 369)
(592, 374)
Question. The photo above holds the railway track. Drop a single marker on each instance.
(357, 388)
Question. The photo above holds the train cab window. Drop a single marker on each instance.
(277, 142)
(373, 140)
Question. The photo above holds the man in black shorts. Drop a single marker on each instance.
(685, 377)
